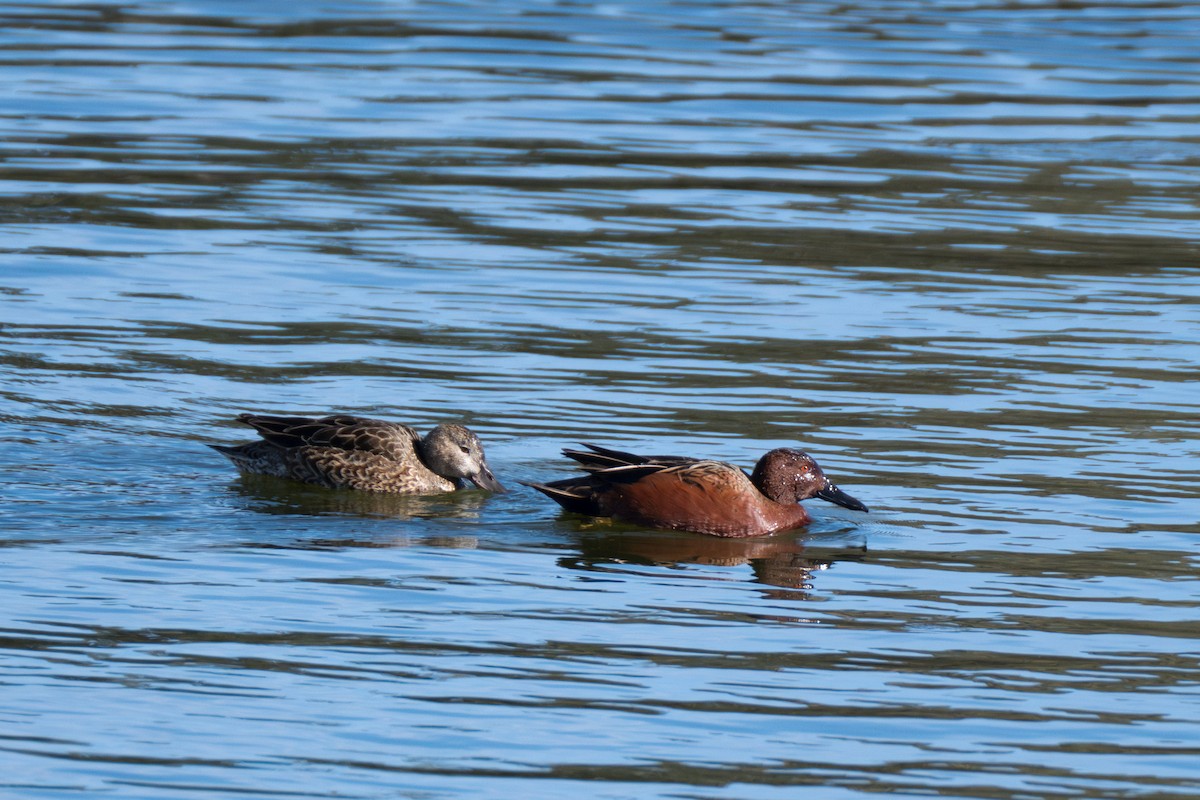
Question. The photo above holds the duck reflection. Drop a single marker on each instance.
(779, 560)
(270, 495)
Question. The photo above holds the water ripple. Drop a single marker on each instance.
(949, 248)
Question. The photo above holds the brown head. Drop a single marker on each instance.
(454, 452)
(787, 475)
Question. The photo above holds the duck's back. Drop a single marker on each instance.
(338, 451)
(704, 496)
(672, 492)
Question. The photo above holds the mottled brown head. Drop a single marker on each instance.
(787, 475)
(454, 452)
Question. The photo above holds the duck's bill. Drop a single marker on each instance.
(836, 496)
(484, 479)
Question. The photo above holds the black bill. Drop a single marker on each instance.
(836, 496)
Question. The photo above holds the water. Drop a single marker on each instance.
(949, 248)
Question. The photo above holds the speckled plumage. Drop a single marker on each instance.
(690, 494)
(347, 452)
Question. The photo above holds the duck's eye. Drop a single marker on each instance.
(465, 449)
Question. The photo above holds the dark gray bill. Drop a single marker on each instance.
(835, 495)
(484, 479)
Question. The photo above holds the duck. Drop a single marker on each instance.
(343, 451)
(698, 495)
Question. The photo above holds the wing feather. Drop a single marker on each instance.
(339, 431)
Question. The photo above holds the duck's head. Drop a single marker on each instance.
(454, 452)
(787, 475)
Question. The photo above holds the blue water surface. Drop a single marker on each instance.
(950, 249)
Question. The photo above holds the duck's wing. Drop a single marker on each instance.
(607, 469)
(337, 431)
(597, 458)
(705, 496)
(611, 468)
(584, 494)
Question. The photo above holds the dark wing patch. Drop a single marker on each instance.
(574, 494)
(601, 458)
(630, 473)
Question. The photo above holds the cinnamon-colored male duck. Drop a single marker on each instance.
(347, 452)
(690, 494)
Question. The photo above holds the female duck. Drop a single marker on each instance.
(343, 451)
